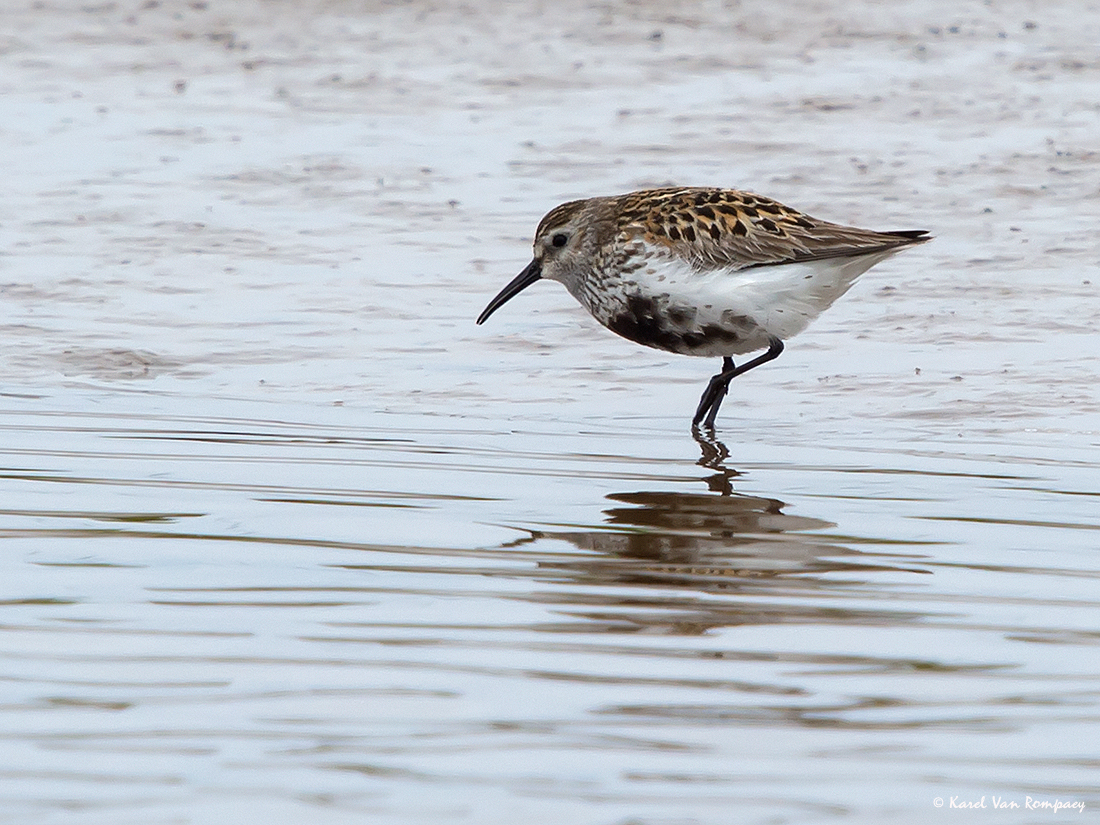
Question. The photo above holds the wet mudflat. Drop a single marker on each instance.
(288, 539)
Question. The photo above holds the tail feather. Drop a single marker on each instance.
(916, 235)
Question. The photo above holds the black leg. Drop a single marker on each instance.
(719, 384)
(716, 389)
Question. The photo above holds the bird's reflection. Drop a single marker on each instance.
(719, 541)
(703, 540)
(714, 457)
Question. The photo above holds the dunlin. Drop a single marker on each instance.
(708, 272)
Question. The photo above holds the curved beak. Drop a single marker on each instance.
(529, 275)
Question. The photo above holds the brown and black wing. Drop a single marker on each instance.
(729, 228)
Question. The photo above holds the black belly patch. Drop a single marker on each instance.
(644, 322)
(681, 316)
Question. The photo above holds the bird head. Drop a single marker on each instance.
(561, 253)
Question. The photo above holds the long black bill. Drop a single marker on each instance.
(529, 275)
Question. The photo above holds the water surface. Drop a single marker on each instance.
(288, 538)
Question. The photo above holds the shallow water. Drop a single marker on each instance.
(289, 538)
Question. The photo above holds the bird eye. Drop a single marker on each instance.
(561, 239)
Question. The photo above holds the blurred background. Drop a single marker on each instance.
(287, 537)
